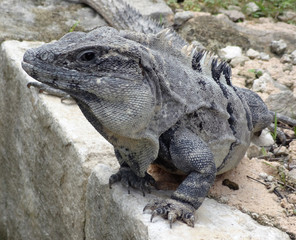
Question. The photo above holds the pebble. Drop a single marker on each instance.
(293, 57)
(230, 52)
(263, 175)
(251, 53)
(281, 151)
(264, 56)
(287, 16)
(278, 47)
(182, 17)
(292, 174)
(239, 61)
(269, 178)
(251, 7)
(286, 58)
(234, 15)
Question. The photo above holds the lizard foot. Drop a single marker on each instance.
(172, 210)
(129, 179)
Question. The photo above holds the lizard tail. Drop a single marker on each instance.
(121, 15)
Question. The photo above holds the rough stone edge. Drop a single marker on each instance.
(97, 185)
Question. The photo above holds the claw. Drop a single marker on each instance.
(154, 213)
(130, 180)
(172, 210)
(172, 217)
(189, 219)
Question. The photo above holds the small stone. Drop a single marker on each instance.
(251, 7)
(255, 215)
(288, 67)
(269, 178)
(224, 199)
(292, 149)
(263, 175)
(285, 204)
(292, 174)
(230, 52)
(287, 16)
(283, 102)
(292, 198)
(281, 151)
(293, 57)
(254, 151)
(286, 58)
(233, 7)
(263, 84)
(198, 45)
(239, 61)
(182, 17)
(264, 56)
(251, 53)
(278, 47)
(265, 139)
(234, 15)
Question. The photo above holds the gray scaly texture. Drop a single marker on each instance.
(156, 100)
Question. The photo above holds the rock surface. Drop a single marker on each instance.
(283, 102)
(278, 47)
(230, 52)
(217, 32)
(54, 176)
(251, 7)
(44, 20)
(156, 9)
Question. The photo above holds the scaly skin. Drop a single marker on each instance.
(155, 99)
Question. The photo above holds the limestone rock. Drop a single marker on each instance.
(293, 57)
(251, 53)
(157, 10)
(266, 84)
(234, 15)
(254, 151)
(240, 60)
(217, 32)
(264, 140)
(44, 20)
(55, 169)
(182, 17)
(286, 58)
(251, 7)
(287, 16)
(234, 7)
(283, 102)
(230, 52)
(278, 47)
(117, 218)
(264, 56)
(45, 157)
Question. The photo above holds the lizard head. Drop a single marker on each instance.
(111, 75)
(100, 69)
(79, 59)
(106, 71)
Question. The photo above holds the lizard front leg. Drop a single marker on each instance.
(191, 155)
(129, 179)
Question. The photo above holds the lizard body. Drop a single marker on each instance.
(156, 100)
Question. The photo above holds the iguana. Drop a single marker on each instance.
(156, 100)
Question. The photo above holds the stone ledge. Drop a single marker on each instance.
(55, 169)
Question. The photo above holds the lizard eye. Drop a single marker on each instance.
(87, 56)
